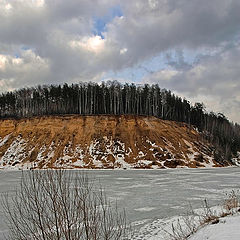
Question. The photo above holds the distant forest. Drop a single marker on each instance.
(116, 99)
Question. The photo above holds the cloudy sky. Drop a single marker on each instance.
(191, 47)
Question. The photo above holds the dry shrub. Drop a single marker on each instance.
(62, 205)
(183, 228)
(189, 224)
(231, 202)
(208, 216)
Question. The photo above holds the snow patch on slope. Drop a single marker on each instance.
(236, 160)
(102, 152)
(15, 153)
(4, 140)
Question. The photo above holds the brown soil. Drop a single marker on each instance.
(101, 142)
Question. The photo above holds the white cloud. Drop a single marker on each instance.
(8, 7)
(93, 44)
(39, 3)
(26, 70)
(153, 4)
(123, 50)
(6, 84)
(3, 61)
(63, 47)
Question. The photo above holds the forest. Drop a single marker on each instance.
(117, 99)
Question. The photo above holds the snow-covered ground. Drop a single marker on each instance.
(228, 228)
(193, 226)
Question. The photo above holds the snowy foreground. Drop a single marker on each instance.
(178, 228)
(227, 229)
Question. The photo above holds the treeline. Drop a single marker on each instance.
(115, 98)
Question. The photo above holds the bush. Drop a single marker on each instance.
(58, 204)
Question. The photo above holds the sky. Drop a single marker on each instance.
(189, 47)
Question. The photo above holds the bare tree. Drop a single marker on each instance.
(58, 204)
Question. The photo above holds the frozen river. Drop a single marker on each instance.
(150, 195)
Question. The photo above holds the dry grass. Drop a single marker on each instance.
(231, 202)
(193, 221)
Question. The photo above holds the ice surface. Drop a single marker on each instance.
(153, 199)
(145, 209)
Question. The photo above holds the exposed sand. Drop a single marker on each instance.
(101, 142)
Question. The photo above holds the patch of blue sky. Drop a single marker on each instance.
(18, 52)
(136, 73)
(185, 55)
(100, 23)
(192, 56)
(157, 63)
(25, 48)
(129, 75)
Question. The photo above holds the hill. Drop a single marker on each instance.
(113, 98)
(105, 141)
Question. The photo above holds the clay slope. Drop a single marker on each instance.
(101, 142)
